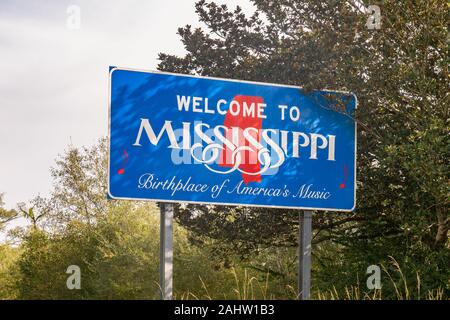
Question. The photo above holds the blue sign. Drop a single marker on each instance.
(182, 138)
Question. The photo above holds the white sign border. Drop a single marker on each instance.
(112, 69)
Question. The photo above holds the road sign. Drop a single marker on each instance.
(182, 138)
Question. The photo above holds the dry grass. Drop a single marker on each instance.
(248, 287)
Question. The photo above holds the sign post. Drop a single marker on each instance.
(304, 255)
(166, 251)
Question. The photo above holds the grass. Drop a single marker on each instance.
(247, 287)
(398, 281)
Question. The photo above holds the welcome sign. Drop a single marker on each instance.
(182, 138)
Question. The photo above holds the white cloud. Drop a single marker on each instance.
(53, 83)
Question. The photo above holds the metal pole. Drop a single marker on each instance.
(304, 255)
(166, 251)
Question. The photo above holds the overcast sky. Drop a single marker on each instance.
(53, 83)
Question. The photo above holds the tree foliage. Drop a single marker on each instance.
(399, 74)
(5, 214)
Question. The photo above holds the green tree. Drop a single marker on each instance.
(8, 257)
(5, 214)
(80, 184)
(8, 271)
(117, 256)
(400, 76)
(116, 248)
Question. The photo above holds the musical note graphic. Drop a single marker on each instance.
(342, 185)
(124, 161)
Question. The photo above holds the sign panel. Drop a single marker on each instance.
(207, 140)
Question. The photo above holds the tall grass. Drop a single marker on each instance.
(248, 287)
(398, 281)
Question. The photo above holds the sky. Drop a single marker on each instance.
(54, 75)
